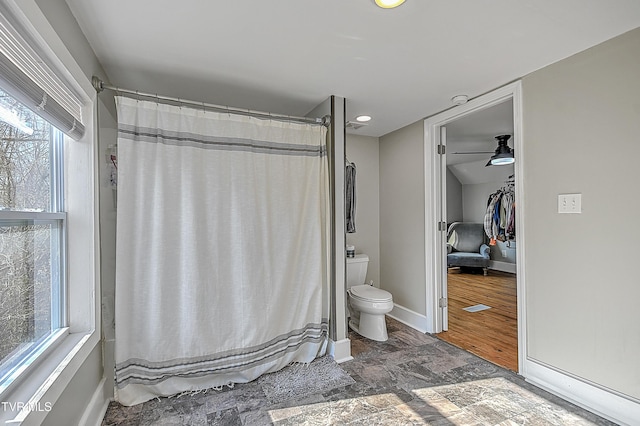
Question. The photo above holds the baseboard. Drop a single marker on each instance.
(97, 407)
(409, 317)
(605, 403)
(340, 350)
(502, 266)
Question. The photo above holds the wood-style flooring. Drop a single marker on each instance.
(491, 334)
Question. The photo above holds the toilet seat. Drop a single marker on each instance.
(368, 293)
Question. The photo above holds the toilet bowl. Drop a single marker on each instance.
(367, 304)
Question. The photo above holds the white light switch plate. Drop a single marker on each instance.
(570, 203)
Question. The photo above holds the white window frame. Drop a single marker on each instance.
(52, 374)
(57, 214)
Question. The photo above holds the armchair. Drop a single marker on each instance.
(466, 247)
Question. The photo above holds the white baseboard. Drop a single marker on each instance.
(340, 350)
(97, 407)
(502, 266)
(602, 402)
(409, 317)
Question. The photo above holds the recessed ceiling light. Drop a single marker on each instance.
(363, 118)
(389, 4)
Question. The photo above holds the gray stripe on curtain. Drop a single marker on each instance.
(166, 137)
(140, 371)
(350, 197)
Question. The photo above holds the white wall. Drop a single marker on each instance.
(582, 288)
(402, 192)
(364, 152)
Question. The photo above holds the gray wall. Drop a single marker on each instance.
(582, 288)
(402, 261)
(364, 152)
(475, 197)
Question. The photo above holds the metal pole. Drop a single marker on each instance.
(100, 85)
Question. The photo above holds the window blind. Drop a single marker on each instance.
(25, 76)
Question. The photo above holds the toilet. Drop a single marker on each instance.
(367, 304)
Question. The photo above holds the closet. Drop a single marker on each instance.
(500, 226)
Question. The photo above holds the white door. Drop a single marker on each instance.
(442, 229)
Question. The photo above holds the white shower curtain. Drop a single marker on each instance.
(222, 248)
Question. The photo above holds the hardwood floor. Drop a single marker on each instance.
(491, 334)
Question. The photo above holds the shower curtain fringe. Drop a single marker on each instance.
(100, 85)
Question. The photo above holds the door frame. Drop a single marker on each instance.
(435, 207)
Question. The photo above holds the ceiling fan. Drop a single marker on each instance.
(501, 156)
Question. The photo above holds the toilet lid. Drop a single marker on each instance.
(368, 292)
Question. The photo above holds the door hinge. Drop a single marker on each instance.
(441, 149)
(442, 302)
(442, 226)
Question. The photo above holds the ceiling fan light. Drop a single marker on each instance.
(389, 4)
(503, 154)
(502, 161)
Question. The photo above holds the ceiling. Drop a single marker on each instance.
(287, 56)
(476, 132)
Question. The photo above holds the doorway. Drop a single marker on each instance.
(482, 301)
(481, 314)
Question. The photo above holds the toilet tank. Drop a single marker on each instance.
(357, 269)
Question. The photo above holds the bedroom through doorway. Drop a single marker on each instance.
(481, 242)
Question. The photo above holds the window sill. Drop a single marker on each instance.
(36, 394)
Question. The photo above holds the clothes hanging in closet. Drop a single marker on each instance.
(500, 217)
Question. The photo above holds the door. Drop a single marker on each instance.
(442, 228)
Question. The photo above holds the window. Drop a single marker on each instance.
(54, 248)
(32, 230)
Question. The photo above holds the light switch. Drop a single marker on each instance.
(570, 203)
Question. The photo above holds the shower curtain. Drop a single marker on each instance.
(222, 248)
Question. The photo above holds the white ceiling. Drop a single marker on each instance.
(287, 56)
(476, 132)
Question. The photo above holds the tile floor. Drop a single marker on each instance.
(412, 379)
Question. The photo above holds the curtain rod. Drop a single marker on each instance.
(100, 85)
